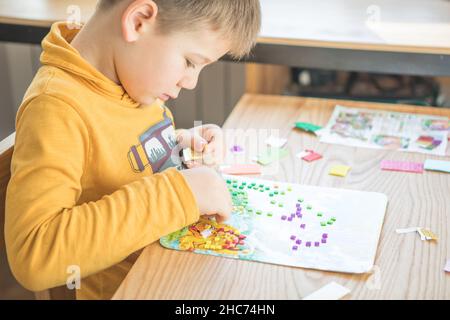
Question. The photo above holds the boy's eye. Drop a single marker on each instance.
(189, 64)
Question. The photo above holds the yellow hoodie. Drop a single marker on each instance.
(91, 180)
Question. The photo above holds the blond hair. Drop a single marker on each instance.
(238, 21)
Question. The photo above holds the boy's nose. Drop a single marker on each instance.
(188, 83)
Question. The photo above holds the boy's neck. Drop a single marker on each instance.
(94, 45)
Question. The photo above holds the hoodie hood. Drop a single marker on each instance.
(58, 52)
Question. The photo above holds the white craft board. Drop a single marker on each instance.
(352, 239)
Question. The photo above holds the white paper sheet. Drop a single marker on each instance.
(387, 130)
(332, 291)
(351, 241)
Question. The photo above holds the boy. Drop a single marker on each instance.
(92, 177)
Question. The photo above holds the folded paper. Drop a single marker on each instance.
(332, 291)
(271, 155)
(339, 170)
(276, 142)
(437, 165)
(241, 169)
(402, 166)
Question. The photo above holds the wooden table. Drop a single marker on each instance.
(351, 35)
(406, 267)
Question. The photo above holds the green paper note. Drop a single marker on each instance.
(271, 155)
(308, 127)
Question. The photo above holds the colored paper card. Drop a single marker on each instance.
(447, 266)
(241, 169)
(271, 155)
(319, 132)
(206, 233)
(236, 149)
(312, 156)
(189, 155)
(339, 170)
(426, 234)
(437, 165)
(332, 291)
(276, 142)
(436, 124)
(407, 230)
(402, 166)
(428, 142)
(308, 127)
(302, 154)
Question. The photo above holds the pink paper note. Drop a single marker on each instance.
(312, 156)
(242, 169)
(403, 166)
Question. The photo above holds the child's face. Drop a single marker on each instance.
(159, 66)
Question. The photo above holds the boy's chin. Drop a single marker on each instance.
(148, 100)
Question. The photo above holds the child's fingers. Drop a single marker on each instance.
(209, 159)
(198, 143)
(184, 139)
(222, 217)
(192, 164)
(213, 154)
(190, 139)
(217, 146)
(212, 132)
(226, 213)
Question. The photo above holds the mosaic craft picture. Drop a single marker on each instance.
(291, 224)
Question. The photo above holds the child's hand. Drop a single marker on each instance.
(207, 140)
(210, 191)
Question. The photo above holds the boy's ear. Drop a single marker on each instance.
(136, 18)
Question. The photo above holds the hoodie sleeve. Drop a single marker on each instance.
(47, 231)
